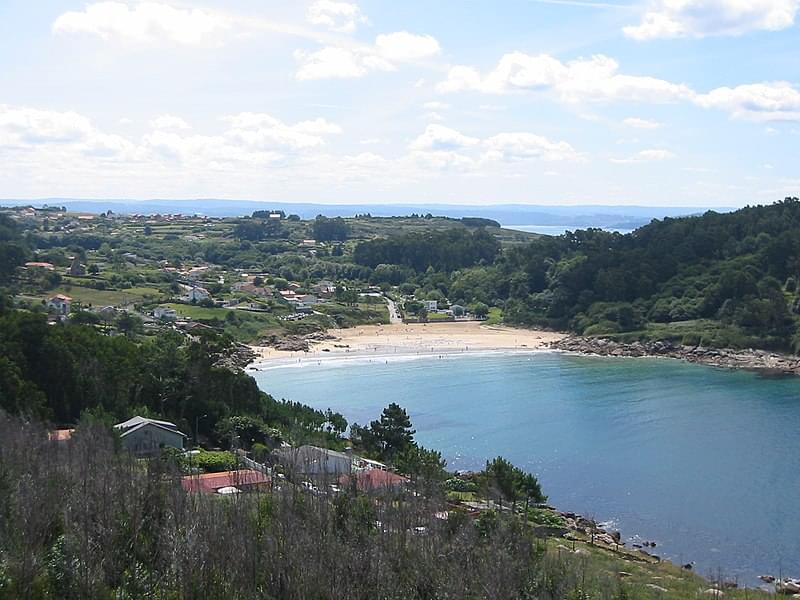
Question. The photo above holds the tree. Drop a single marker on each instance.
(129, 324)
(417, 461)
(480, 310)
(326, 230)
(391, 435)
(512, 483)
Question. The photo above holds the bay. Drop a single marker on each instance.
(703, 461)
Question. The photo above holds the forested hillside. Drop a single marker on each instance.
(720, 279)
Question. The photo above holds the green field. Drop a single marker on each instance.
(244, 326)
(92, 297)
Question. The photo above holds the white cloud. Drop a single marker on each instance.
(442, 148)
(638, 123)
(403, 46)
(343, 17)
(69, 132)
(521, 146)
(337, 63)
(646, 156)
(441, 138)
(169, 122)
(442, 160)
(700, 18)
(61, 138)
(436, 105)
(28, 126)
(776, 101)
(260, 131)
(145, 22)
(593, 79)
(390, 50)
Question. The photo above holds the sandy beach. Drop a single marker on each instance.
(417, 338)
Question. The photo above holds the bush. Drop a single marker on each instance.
(214, 462)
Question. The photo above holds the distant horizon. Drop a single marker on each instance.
(421, 204)
(533, 217)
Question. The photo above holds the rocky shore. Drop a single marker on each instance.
(768, 363)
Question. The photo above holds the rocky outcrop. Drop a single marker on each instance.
(768, 363)
(236, 359)
(296, 343)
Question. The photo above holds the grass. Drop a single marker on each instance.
(439, 317)
(90, 296)
(637, 573)
(360, 314)
(244, 326)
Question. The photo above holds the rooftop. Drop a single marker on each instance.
(211, 483)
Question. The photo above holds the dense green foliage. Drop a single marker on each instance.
(445, 251)
(58, 372)
(735, 268)
(326, 230)
(13, 249)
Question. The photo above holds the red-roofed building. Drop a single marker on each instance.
(39, 265)
(60, 435)
(245, 480)
(371, 480)
(59, 304)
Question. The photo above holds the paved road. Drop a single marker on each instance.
(394, 313)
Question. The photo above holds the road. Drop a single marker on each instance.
(394, 312)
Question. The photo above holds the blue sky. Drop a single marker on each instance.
(660, 102)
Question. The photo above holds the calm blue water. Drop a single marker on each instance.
(705, 462)
(559, 229)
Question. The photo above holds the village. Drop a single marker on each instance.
(111, 271)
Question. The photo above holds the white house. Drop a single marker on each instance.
(164, 312)
(198, 294)
(59, 304)
(147, 437)
(430, 305)
(311, 460)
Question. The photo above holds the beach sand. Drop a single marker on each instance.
(417, 338)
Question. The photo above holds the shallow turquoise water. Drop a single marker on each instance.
(704, 462)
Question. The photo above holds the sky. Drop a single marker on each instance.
(647, 102)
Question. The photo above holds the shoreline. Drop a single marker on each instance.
(394, 341)
(446, 340)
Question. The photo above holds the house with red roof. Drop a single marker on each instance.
(226, 482)
(374, 480)
(59, 304)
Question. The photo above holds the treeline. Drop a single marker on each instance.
(445, 251)
(62, 371)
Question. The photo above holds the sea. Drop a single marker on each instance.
(560, 229)
(704, 462)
